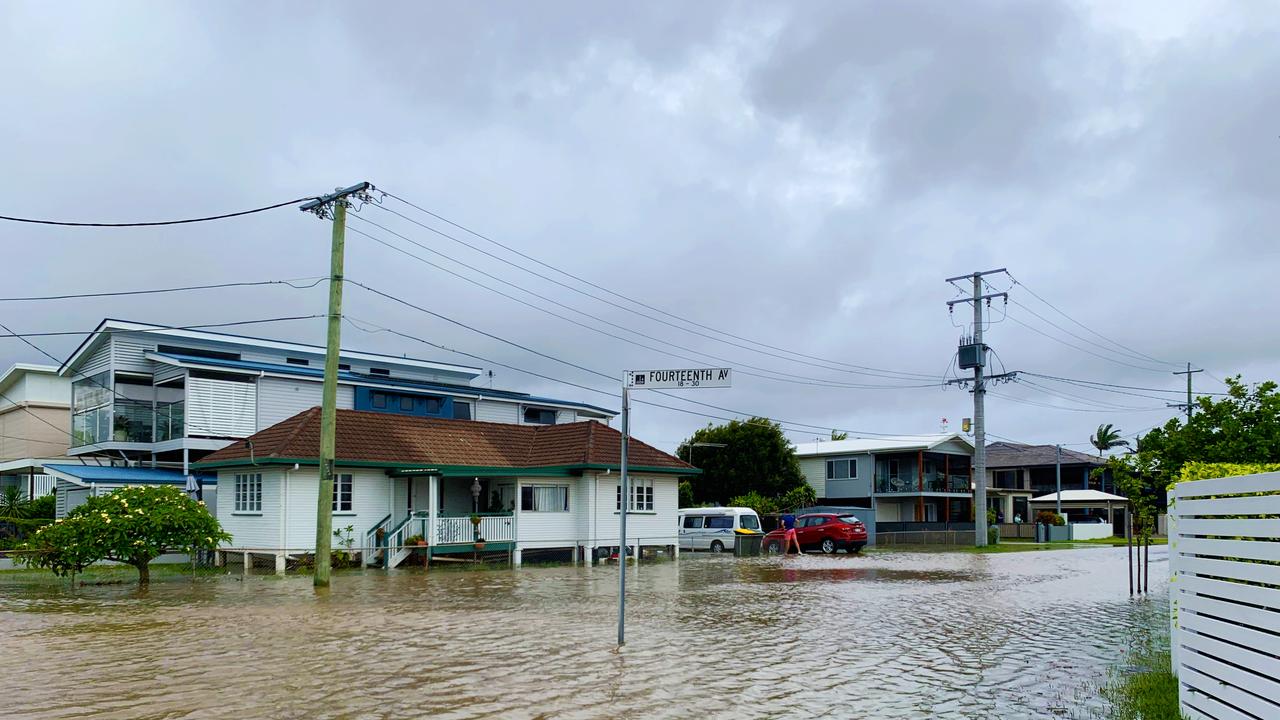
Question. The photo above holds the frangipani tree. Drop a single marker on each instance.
(133, 525)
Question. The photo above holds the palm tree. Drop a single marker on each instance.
(13, 505)
(1107, 437)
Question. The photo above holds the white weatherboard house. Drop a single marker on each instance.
(909, 479)
(164, 398)
(535, 487)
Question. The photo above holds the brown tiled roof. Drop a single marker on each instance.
(1016, 455)
(401, 440)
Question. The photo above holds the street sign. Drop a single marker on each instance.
(675, 379)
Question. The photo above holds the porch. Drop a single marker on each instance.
(438, 511)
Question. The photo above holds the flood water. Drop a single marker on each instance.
(889, 635)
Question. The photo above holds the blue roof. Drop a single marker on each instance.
(348, 376)
(130, 475)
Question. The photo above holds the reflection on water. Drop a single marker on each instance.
(901, 635)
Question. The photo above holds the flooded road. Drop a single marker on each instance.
(890, 635)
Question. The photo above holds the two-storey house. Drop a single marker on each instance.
(910, 479)
(35, 425)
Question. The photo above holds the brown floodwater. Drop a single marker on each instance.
(889, 635)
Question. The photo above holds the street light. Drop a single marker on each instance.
(703, 444)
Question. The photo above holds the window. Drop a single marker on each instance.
(693, 521)
(544, 498)
(749, 522)
(248, 494)
(344, 366)
(297, 361)
(380, 371)
(719, 522)
(91, 409)
(816, 521)
(641, 491)
(461, 410)
(380, 400)
(539, 416)
(342, 487)
(842, 469)
(850, 519)
(406, 403)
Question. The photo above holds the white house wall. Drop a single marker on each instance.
(98, 362)
(280, 399)
(253, 530)
(129, 354)
(564, 417)
(370, 499)
(167, 372)
(814, 470)
(657, 528)
(556, 529)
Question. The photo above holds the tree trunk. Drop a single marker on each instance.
(144, 571)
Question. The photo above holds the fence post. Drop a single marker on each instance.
(1174, 568)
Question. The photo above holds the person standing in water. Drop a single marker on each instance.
(789, 522)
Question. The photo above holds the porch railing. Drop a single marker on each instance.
(458, 530)
(933, 482)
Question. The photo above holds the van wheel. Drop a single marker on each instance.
(717, 546)
(828, 546)
(773, 548)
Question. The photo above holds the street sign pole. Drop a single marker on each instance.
(649, 380)
(624, 501)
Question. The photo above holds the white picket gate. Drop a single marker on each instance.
(1224, 565)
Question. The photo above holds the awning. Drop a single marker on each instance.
(1080, 496)
(86, 475)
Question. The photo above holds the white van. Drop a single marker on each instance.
(714, 528)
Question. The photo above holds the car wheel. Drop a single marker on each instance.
(717, 546)
(773, 547)
(828, 546)
(856, 548)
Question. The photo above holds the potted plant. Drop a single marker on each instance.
(417, 540)
(475, 520)
(479, 544)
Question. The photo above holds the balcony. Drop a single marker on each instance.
(933, 483)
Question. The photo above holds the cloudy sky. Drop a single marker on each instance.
(792, 183)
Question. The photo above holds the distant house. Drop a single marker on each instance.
(910, 479)
(1016, 473)
(537, 487)
(35, 426)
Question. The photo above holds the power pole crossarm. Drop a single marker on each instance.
(1188, 372)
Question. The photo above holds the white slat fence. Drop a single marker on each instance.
(1224, 565)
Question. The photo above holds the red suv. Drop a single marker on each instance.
(827, 532)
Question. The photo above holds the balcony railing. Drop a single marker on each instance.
(933, 482)
(131, 422)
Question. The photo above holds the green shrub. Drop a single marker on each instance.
(43, 507)
(1205, 471)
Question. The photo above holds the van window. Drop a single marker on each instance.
(693, 521)
(749, 522)
(851, 519)
(719, 521)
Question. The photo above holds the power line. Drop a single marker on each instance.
(783, 376)
(207, 218)
(1061, 394)
(1101, 385)
(1084, 350)
(156, 291)
(753, 345)
(607, 376)
(108, 331)
(1133, 352)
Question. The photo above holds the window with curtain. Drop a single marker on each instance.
(544, 498)
(842, 469)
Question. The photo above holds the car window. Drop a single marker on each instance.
(816, 521)
(719, 521)
(693, 521)
(749, 522)
(851, 519)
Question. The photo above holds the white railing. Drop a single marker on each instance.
(42, 485)
(460, 531)
(1224, 567)
(371, 543)
(396, 550)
